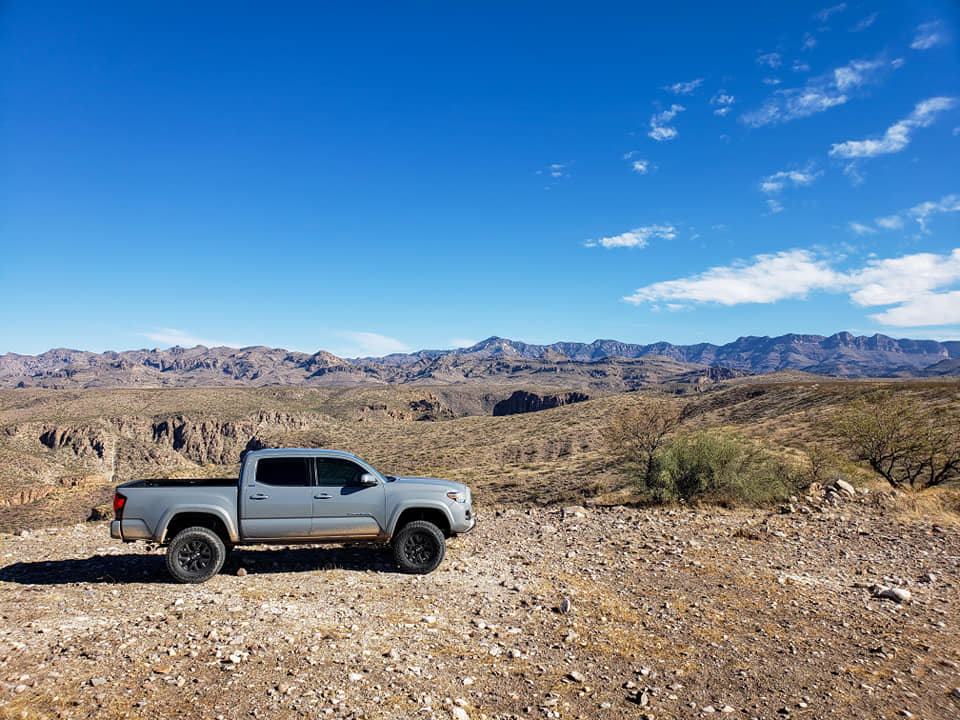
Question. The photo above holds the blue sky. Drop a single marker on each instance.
(381, 177)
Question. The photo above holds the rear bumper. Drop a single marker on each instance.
(130, 530)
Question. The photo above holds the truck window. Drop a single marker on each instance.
(334, 471)
(283, 472)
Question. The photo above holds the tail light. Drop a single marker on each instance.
(118, 502)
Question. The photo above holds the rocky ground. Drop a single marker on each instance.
(573, 613)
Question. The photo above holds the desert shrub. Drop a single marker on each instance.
(725, 469)
(906, 443)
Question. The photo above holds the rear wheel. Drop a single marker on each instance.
(419, 547)
(195, 555)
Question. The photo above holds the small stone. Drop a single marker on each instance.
(727, 709)
(458, 713)
(566, 606)
(355, 677)
(576, 676)
(709, 709)
(242, 572)
(846, 488)
(97, 682)
(955, 692)
(163, 669)
(896, 594)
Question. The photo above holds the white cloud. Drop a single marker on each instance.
(642, 167)
(865, 23)
(928, 35)
(773, 185)
(897, 136)
(800, 66)
(809, 42)
(891, 222)
(766, 279)
(368, 344)
(771, 60)
(860, 229)
(818, 95)
(171, 336)
(771, 81)
(899, 280)
(638, 237)
(921, 213)
(684, 88)
(956, 131)
(926, 310)
(659, 130)
(722, 100)
(918, 285)
(824, 15)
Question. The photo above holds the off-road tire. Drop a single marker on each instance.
(195, 555)
(418, 547)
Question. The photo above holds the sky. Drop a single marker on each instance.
(368, 178)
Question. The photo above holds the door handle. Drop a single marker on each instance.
(259, 496)
(322, 496)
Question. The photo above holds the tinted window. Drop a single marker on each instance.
(333, 471)
(284, 472)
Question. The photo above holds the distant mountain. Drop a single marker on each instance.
(608, 364)
(841, 354)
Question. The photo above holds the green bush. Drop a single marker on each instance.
(723, 469)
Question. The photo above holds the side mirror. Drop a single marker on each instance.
(368, 479)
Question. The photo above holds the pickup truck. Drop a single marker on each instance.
(291, 495)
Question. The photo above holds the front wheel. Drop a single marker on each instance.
(419, 547)
(195, 555)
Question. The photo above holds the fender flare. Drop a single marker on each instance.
(417, 505)
(218, 512)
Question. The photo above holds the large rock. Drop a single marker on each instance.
(523, 401)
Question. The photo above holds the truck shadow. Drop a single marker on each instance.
(150, 568)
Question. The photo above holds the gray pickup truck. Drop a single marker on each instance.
(292, 496)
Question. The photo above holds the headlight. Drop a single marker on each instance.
(460, 497)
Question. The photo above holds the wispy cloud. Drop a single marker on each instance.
(897, 136)
(918, 285)
(799, 67)
(723, 103)
(684, 88)
(771, 60)
(659, 129)
(921, 214)
(928, 35)
(818, 95)
(809, 42)
(824, 15)
(369, 344)
(865, 23)
(555, 173)
(641, 167)
(774, 184)
(636, 238)
(170, 337)
(861, 229)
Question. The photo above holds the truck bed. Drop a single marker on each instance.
(181, 482)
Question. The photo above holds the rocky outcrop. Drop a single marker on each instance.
(523, 401)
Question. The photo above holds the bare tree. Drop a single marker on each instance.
(908, 445)
(636, 434)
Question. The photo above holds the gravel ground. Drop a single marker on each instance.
(573, 613)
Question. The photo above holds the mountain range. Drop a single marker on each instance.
(603, 363)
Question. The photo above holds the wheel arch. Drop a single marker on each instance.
(436, 514)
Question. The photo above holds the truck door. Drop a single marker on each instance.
(278, 502)
(341, 505)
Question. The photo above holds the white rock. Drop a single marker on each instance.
(845, 487)
(458, 713)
